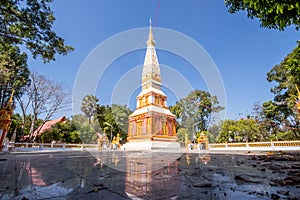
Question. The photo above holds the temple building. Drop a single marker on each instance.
(151, 125)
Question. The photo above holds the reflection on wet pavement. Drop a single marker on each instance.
(148, 175)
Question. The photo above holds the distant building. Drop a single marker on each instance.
(47, 126)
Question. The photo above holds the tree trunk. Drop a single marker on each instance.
(33, 121)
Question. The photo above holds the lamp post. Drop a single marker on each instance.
(194, 136)
(111, 126)
(229, 136)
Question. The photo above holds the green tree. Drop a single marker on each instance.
(267, 119)
(271, 117)
(272, 14)
(286, 75)
(79, 119)
(211, 137)
(88, 106)
(86, 131)
(14, 73)
(15, 126)
(120, 115)
(116, 116)
(106, 120)
(184, 135)
(194, 111)
(215, 129)
(87, 134)
(281, 136)
(49, 136)
(45, 98)
(229, 128)
(240, 130)
(62, 132)
(29, 23)
(247, 129)
(278, 15)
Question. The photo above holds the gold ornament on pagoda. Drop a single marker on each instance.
(5, 120)
(6, 113)
(298, 100)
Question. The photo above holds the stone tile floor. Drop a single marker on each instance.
(148, 175)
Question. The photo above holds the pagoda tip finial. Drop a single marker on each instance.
(9, 105)
(11, 96)
(150, 38)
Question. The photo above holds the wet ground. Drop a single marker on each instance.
(148, 175)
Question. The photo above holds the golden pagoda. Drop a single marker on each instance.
(5, 120)
(151, 125)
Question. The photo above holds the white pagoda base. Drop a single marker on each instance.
(150, 145)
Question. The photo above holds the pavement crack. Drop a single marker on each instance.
(97, 189)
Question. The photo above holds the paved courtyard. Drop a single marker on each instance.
(148, 175)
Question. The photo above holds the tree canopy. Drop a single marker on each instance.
(287, 73)
(89, 105)
(42, 97)
(279, 115)
(14, 72)
(115, 115)
(194, 111)
(29, 23)
(240, 130)
(272, 14)
(286, 76)
(25, 24)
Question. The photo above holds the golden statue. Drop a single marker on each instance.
(102, 141)
(116, 142)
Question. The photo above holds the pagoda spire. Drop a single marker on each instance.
(151, 70)
(150, 38)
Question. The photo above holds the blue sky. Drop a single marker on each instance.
(242, 51)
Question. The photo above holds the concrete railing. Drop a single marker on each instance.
(258, 146)
(54, 145)
(246, 146)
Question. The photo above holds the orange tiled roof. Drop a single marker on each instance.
(41, 129)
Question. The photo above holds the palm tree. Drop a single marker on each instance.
(88, 106)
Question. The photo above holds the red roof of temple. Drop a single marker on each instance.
(41, 129)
